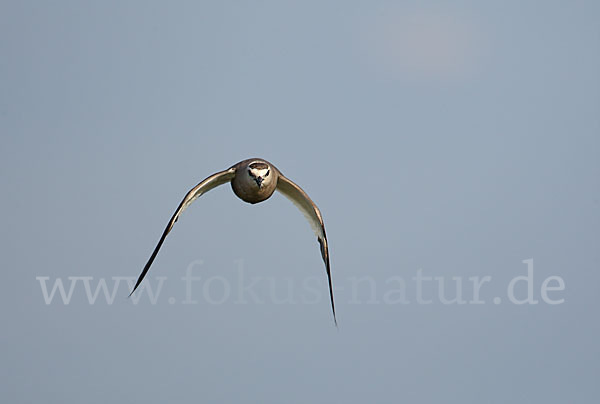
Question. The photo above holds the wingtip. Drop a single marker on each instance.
(135, 287)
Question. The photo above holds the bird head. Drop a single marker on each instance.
(259, 172)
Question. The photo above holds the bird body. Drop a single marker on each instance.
(254, 181)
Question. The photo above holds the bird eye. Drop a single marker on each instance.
(267, 174)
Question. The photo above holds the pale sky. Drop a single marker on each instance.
(443, 142)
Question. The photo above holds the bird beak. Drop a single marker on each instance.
(259, 181)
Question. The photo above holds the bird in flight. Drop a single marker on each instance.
(254, 181)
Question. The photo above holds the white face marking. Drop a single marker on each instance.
(259, 172)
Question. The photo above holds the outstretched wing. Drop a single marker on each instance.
(209, 183)
(312, 213)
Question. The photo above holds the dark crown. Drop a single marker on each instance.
(259, 166)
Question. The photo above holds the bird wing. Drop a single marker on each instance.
(312, 213)
(209, 183)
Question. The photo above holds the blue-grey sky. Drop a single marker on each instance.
(451, 140)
